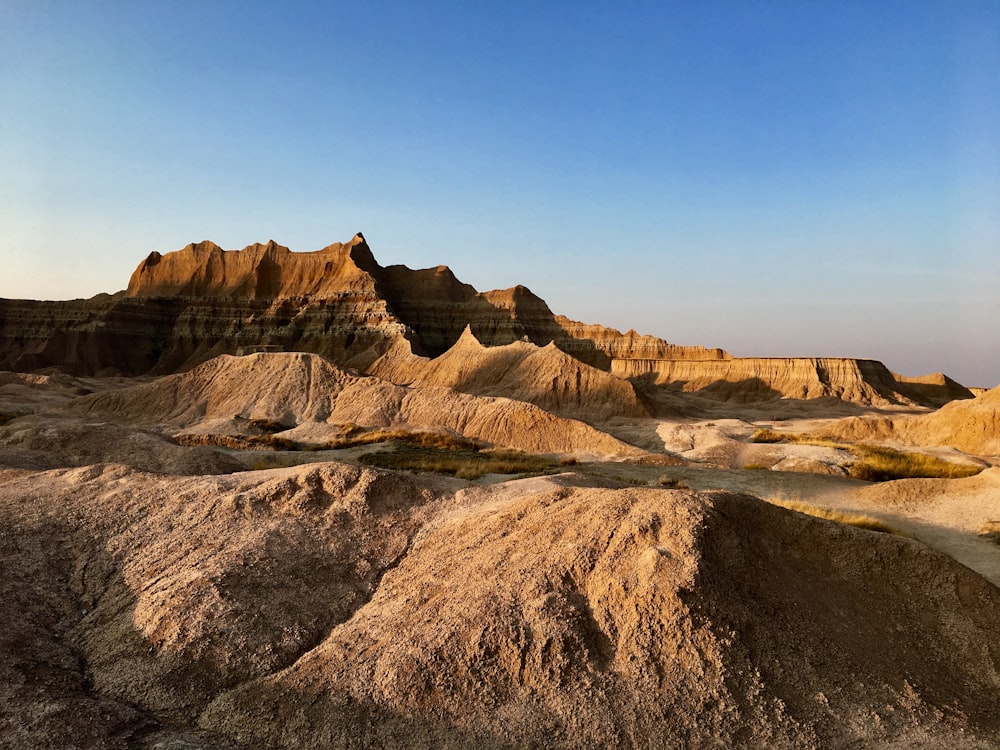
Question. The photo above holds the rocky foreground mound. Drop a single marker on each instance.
(972, 426)
(304, 394)
(332, 606)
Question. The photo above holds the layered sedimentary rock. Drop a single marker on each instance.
(184, 307)
(746, 379)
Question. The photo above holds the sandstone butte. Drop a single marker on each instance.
(185, 307)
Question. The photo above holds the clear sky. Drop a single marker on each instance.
(775, 178)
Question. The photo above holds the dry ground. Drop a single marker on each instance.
(162, 596)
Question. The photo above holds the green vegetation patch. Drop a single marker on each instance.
(464, 464)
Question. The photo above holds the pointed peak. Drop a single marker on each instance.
(468, 338)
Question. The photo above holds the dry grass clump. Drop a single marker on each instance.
(878, 464)
(350, 439)
(441, 440)
(858, 520)
(990, 531)
(464, 464)
(770, 436)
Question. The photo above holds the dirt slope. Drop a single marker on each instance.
(303, 389)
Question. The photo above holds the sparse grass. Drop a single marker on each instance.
(464, 464)
(770, 436)
(858, 520)
(357, 437)
(877, 463)
(990, 531)
(270, 461)
(352, 438)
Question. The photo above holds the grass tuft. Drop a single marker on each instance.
(671, 483)
(857, 520)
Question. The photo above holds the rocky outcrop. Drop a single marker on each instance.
(747, 379)
(328, 606)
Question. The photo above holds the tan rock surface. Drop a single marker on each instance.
(544, 376)
(292, 389)
(748, 379)
(970, 425)
(595, 618)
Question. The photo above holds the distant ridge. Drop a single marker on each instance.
(185, 307)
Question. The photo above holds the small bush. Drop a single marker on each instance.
(857, 520)
(757, 467)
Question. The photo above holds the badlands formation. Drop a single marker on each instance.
(266, 499)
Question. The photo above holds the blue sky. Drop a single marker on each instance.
(775, 178)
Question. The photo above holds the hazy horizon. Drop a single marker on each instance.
(776, 180)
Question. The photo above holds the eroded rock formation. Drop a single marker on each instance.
(184, 307)
(746, 379)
